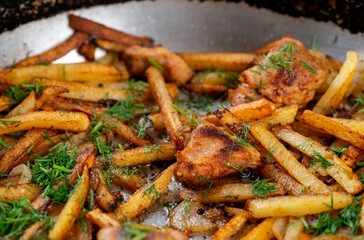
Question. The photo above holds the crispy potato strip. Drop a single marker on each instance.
(11, 193)
(263, 231)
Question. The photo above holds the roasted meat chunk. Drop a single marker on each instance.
(175, 69)
(288, 74)
(211, 154)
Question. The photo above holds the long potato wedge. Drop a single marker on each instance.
(351, 123)
(73, 72)
(111, 46)
(294, 228)
(234, 62)
(335, 128)
(205, 88)
(341, 84)
(68, 121)
(248, 112)
(27, 105)
(29, 233)
(56, 52)
(338, 170)
(282, 206)
(287, 161)
(283, 116)
(14, 192)
(263, 231)
(170, 115)
(5, 102)
(145, 196)
(14, 155)
(99, 30)
(132, 182)
(144, 155)
(279, 227)
(72, 209)
(235, 192)
(87, 50)
(102, 193)
(234, 225)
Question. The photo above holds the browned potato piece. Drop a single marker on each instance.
(283, 116)
(87, 50)
(101, 219)
(170, 115)
(29, 233)
(29, 191)
(27, 105)
(5, 102)
(234, 225)
(138, 59)
(56, 52)
(234, 62)
(145, 196)
(132, 182)
(72, 209)
(99, 30)
(298, 205)
(334, 128)
(263, 231)
(205, 88)
(102, 193)
(111, 46)
(68, 121)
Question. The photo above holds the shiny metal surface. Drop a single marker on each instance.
(183, 26)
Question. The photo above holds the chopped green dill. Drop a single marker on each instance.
(124, 110)
(91, 200)
(17, 216)
(2, 175)
(64, 72)
(42, 64)
(318, 158)
(206, 181)
(260, 85)
(18, 93)
(185, 206)
(47, 136)
(340, 151)
(262, 187)
(303, 146)
(335, 40)
(250, 99)
(240, 168)
(304, 222)
(229, 195)
(151, 148)
(271, 150)
(135, 232)
(180, 110)
(308, 67)
(155, 64)
(314, 43)
(3, 143)
(231, 79)
(136, 87)
(142, 127)
(359, 100)
(151, 191)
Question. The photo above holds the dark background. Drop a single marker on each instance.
(348, 14)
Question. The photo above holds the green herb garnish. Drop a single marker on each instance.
(262, 187)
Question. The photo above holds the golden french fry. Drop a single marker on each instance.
(132, 182)
(351, 123)
(29, 233)
(111, 46)
(170, 115)
(145, 196)
(286, 160)
(334, 128)
(101, 219)
(97, 29)
(282, 206)
(102, 193)
(73, 72)
(341, 84)
(263, 231)
(14, 192)
(205, 88)
(72, 209)
(5, 102)
(48, 94)
(283, 116)
(279, 227)
(215, 78)
(87, 50)
(56, 52)
(294, 228)
(234, 225)
(235, 192)
(234, 62)
(67, 121)
(27, 105)
(14, 155)
(248, 112)
(128, 133)
(337, 169)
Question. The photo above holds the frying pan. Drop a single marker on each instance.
(183, 26)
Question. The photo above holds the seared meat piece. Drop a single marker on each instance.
(207, 153)
(174, 68)
(118, 233)
(243, 94)
(288, 74)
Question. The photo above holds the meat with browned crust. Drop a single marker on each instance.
(174, 68)
(288, 75)
(207, 153)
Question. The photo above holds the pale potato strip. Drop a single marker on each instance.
(264, 231)
(67, 121)
(27, 105)
(132, 182)
(111, 46)
(128, 133)
(294, 228)
(72, 72)
(170, 115)
(72, 209)
(144, 155)
(282, 206)
(234, 62)
(14, 192)
(287, 161)
(234, 225)
(29, 233)
(101, 219)
(56, 52)
(341, 84)
(283, 115)
(5, 102)
(339, 171)
(279, 227)
(145, 196)
(351, 123)
(334, 128)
